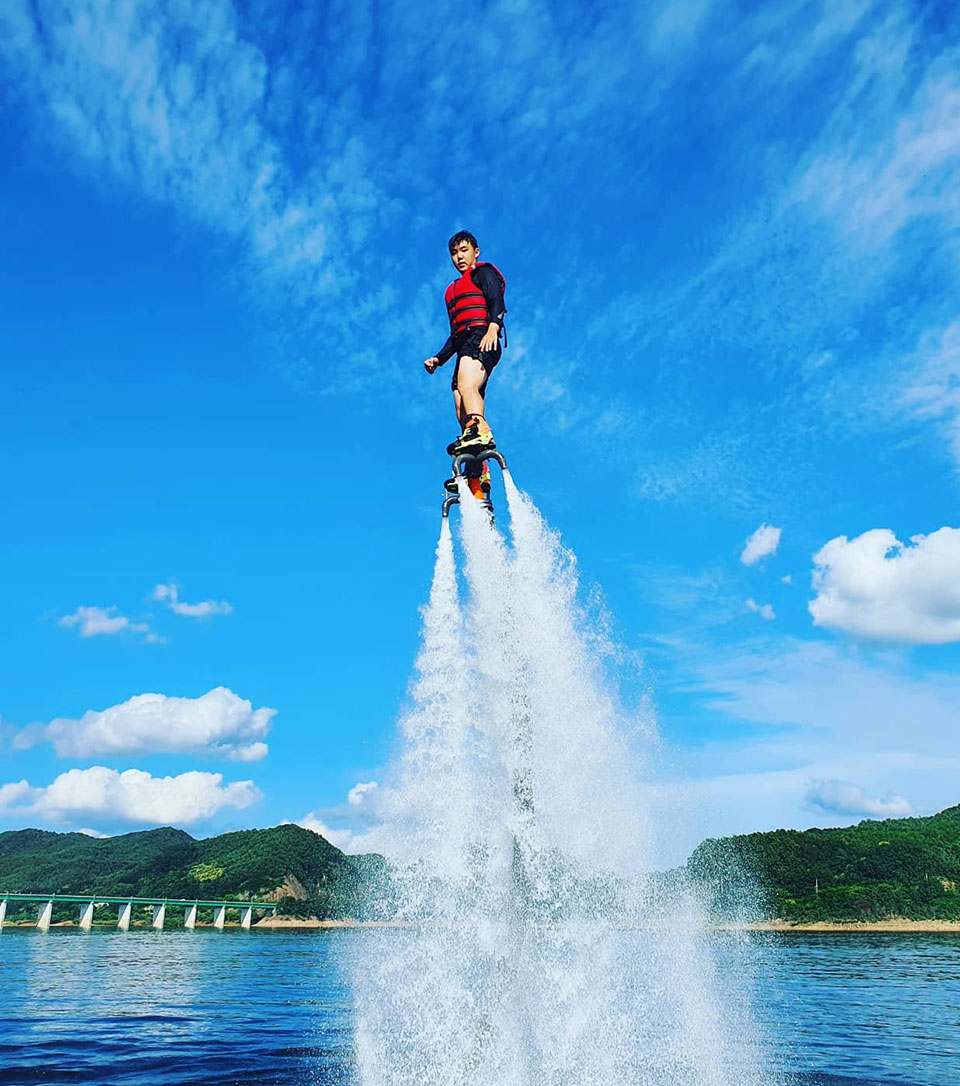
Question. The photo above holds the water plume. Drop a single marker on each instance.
(534, 947)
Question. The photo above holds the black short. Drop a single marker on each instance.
(469, 347)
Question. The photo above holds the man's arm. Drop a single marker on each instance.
(445, 352)
(489, 282)
(443, 355)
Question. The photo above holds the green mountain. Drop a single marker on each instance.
(295, 867)
(905, 867)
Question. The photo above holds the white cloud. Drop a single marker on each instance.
(131, 796)
(219, 723)
(874, 586)
(359, 795)
(14, 793)
(351, 827)
(342, 839)
(748, 799)
(763, 542)
(844, 798)
(787, 579)
(764, 610)
(105, 622)
(170, 594)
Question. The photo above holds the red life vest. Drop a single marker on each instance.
(466, 305)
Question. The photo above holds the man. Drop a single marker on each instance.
(476, 311)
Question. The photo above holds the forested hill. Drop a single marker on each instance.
(293, 866)
(907, 867)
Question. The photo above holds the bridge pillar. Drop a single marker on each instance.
(44, 916)
(123, 916)
(246, 918)
(3, 912)
(219, 916)
(86, 916)
(190, 917)
(159, 913)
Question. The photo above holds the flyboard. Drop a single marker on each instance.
(468, 465)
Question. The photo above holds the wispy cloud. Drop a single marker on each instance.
(786, 714)
(697, 471)
(175, 101)
(234, 123)
(931, 390)
(872, 180)
(850, 204)
(218, 724)
(697, 599)
(170, 594)
(827, 712)
(106, 622)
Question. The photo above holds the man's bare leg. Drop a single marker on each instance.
(467, 396)
(476, 435)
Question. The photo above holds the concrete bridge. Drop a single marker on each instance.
(88, 902)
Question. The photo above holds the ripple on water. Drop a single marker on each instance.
(205, 1009)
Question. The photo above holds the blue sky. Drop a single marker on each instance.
(730, 235)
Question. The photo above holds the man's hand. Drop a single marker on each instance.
(431, 364)
(489, 341)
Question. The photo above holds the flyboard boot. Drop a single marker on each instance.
(477, 476)
(476, 438)
(474, 468)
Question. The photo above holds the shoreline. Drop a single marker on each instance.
(313, 922)
(894, 924)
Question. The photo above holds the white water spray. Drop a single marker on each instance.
(530, 950)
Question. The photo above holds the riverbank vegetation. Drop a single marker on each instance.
(298, 869)
(875, 870)
(896, 867)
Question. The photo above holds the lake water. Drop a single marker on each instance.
(205, 1008)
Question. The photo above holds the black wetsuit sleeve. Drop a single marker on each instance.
(489, 282)
(446, 351)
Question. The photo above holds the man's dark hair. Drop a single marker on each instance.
(462, 235)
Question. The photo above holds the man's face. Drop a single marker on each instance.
(464, 256)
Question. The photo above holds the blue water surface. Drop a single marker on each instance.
(202, 1008)
(174, 1007)
(872, 1007)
